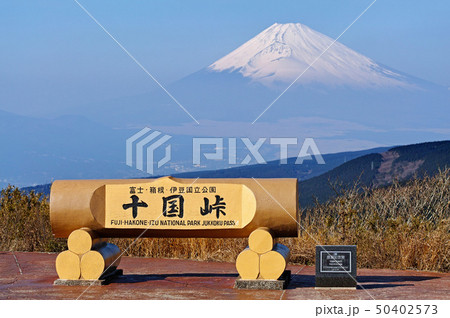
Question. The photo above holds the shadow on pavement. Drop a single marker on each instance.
(139, 278)
(302, 281)
(393, 279)
(374, 286)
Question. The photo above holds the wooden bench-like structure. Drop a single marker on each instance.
(87, 212)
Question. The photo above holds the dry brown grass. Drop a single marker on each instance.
(205, 249)
(400, 227)
(403, 226)
(25, 222)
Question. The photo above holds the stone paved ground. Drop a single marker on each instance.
(31, 276)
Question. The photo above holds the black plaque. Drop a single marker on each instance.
(336, 266)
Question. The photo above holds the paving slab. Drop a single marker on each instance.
(26, 275)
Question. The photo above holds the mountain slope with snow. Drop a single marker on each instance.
(341, 85)
(284, 51)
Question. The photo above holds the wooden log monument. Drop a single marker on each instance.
(88, 212)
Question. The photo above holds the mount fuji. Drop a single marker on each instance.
(334, 86)
(284, 52)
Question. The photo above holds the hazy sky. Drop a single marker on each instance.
(53, 55)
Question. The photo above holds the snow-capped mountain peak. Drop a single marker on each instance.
(284, 51)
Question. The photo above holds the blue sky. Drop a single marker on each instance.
(53, 53)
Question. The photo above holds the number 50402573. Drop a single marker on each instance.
(407, 309)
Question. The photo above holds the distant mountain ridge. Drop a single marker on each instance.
(373, 168)
(272, 169)
(379, 169)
